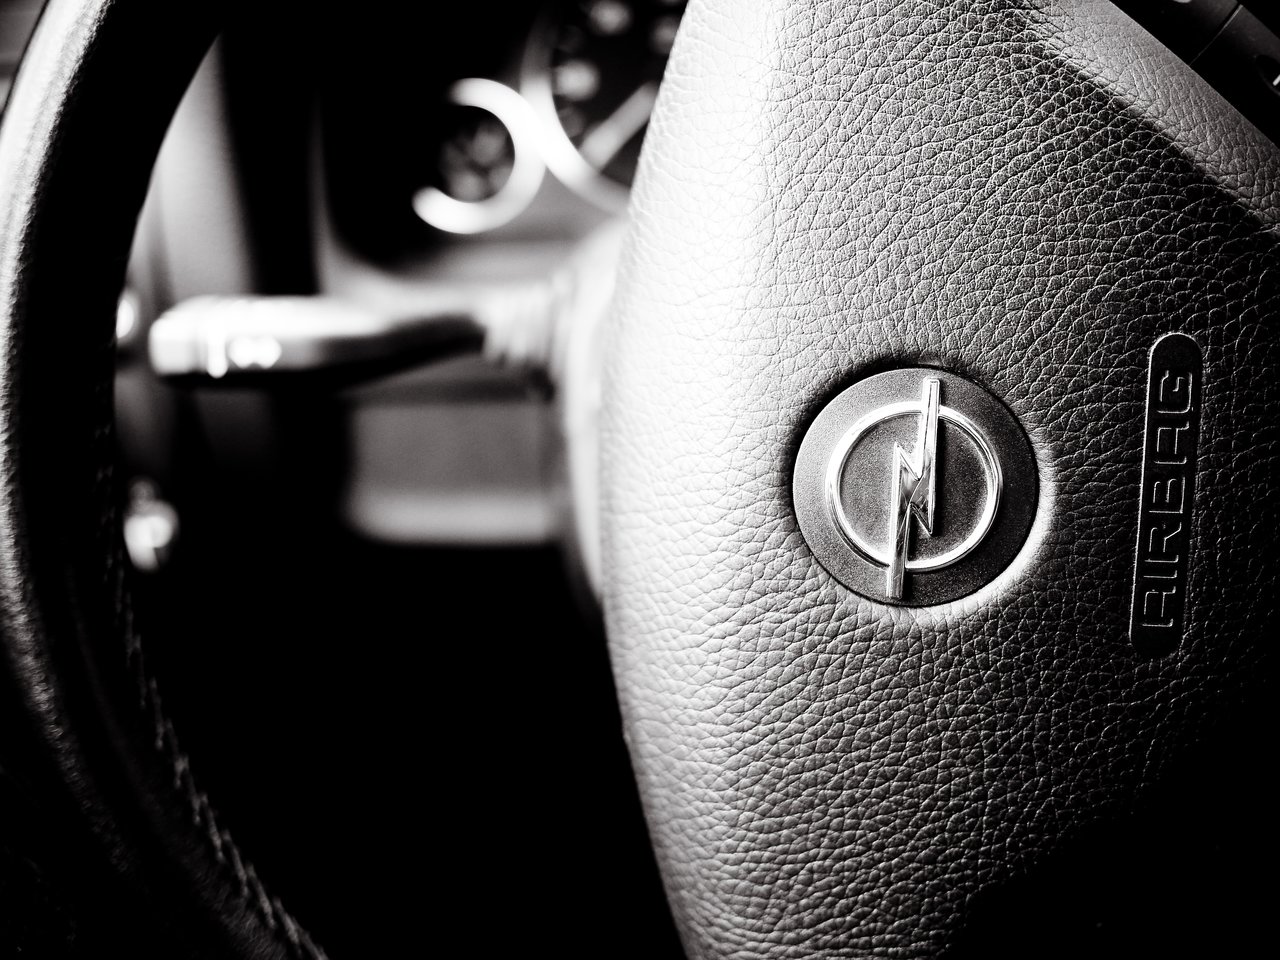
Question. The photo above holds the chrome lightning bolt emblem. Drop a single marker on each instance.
(905, 523)
(913, 488)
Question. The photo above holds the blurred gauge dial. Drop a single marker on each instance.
(486, 167)
(592, 74)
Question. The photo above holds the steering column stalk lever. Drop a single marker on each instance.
(264, 339)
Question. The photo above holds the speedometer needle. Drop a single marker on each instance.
(612, 133)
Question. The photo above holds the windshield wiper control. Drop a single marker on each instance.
(259, 339)
(266, 341)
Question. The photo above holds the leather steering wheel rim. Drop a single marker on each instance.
(97, 87)
(822, 775)
(1027, 195)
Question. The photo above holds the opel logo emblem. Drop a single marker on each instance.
(915, 487)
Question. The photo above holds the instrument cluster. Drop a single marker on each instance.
(501, 111)
(586, 85)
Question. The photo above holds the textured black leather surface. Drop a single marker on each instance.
(84, 728)
(1025, 194)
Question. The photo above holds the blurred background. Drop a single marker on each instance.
(363, 597)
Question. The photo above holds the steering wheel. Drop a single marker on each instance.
(900, 276)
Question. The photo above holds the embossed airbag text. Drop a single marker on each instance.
(1165, 511)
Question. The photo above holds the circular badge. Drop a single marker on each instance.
(915, 487)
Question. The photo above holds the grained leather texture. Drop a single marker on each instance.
(84, 730)
(1026, 194)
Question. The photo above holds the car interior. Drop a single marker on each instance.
(426, 391)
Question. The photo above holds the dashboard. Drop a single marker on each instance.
(338, 544)
(531, 133)
(471, 147)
